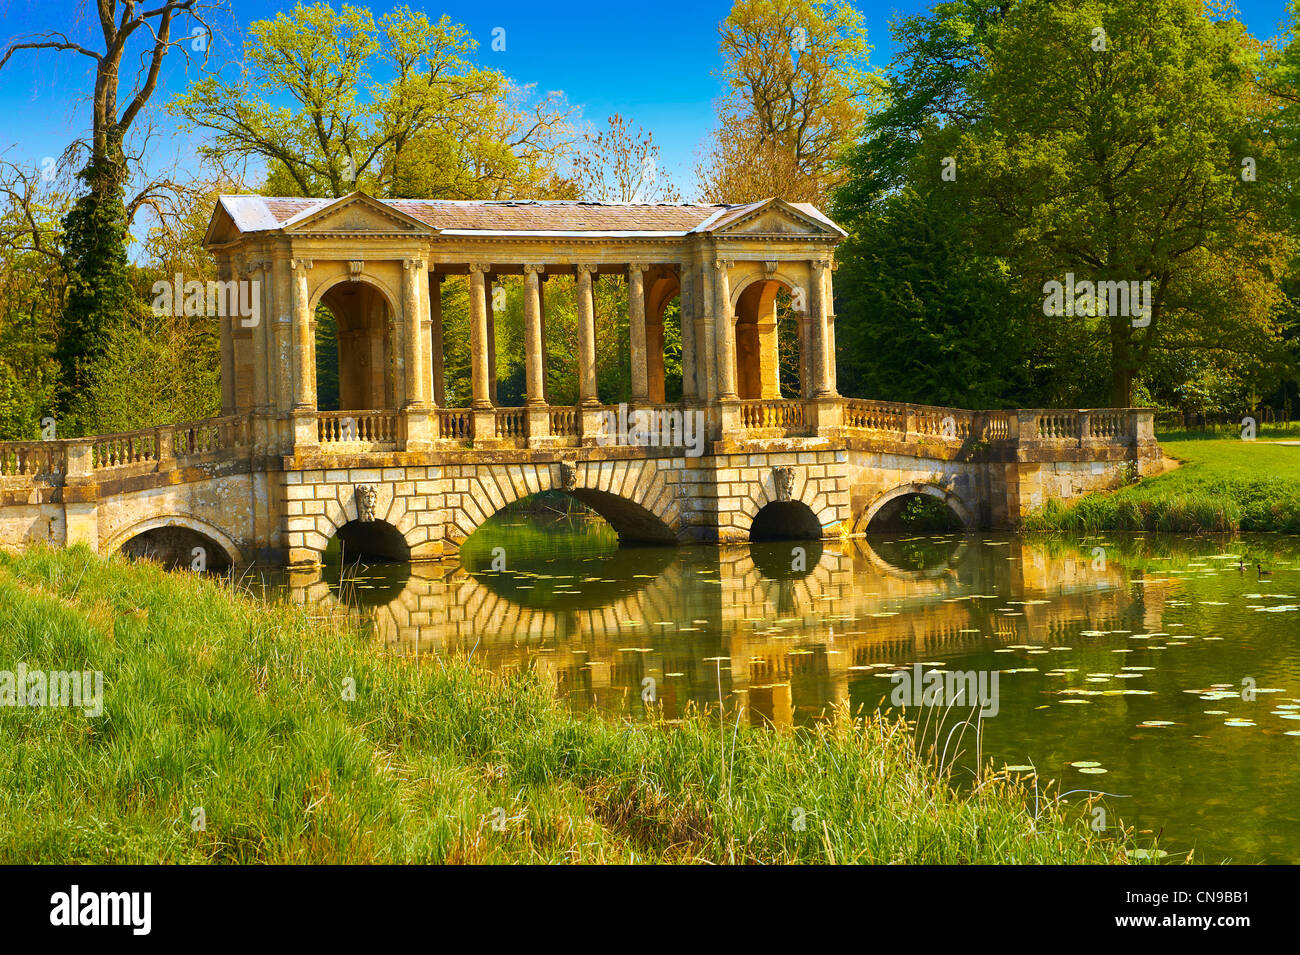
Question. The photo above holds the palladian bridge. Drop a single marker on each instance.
(395, 470)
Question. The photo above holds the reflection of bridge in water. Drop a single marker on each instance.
(783, 638)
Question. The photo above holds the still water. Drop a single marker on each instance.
(1153, 669)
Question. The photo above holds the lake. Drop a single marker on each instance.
(1153, 669)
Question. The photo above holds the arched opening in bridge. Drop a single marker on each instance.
(177, 548)
(552, 550)
(916, 513)
(770, 342)
(629, 522)
(353, 349)
(368, 541)
(785, 521)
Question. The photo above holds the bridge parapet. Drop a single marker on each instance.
(265, 484)
(125, 454)
(1028, 433)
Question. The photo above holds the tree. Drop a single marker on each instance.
(1109, 144)
(439, 127)
(94, 262)
(797, 91)
(622, 164)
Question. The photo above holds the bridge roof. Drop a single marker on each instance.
(519, 217)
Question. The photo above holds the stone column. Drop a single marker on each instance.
(281, 313)
(724, 330)
(539, 415)
(829, 297)
(766, 321)
(304, 352)
(587, 392)
(266, 321)
(541, 301)
(226, 325)
(686, 309)
(252, 272)
(489, 281)
(413, 276)
(478, 337)
(533, 343)
(435, 341)
(818, 336)
(415, 289)
(654, 346)
(706, 379)
(637, 331)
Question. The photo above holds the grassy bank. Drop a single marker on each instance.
(1224, 485)
(215, 701)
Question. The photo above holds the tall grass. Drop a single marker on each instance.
(214, 701)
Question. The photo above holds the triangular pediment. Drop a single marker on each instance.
(776, 218)
(358, 213)
(221, 228)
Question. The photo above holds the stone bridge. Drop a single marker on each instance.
(393, 470)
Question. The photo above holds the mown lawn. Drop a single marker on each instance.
(1225, 484)
(220, 709)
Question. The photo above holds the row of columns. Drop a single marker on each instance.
(482, 336)
(419, 336)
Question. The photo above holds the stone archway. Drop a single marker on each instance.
(632, 495)
(355, 347)
(373, 541)
(173, 539)
(785, 520)
(663, 290)
(761, 341)
(893, 495)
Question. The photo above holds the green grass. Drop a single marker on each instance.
(213, 700)
(1224, 485)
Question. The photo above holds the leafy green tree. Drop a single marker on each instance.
(797, 90)
(1108, 143)
(923, 316)
(99, 291)
(439, 127)
(1105, 139)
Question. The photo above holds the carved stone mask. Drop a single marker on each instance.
(367, 497)
(783, 478)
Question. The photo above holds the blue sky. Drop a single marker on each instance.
(654, 63)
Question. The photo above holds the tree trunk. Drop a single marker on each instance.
(1121, 362)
